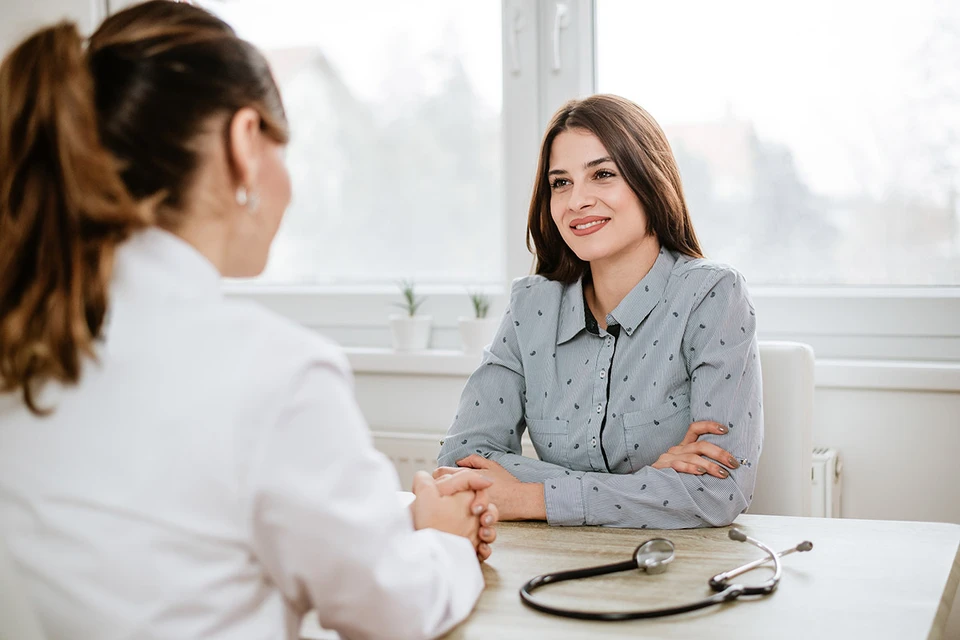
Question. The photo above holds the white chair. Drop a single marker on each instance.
(783, 474)
(17, 619)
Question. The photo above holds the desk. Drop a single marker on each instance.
(849, 586)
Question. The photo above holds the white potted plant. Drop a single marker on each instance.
(410, 331)
(477, 332)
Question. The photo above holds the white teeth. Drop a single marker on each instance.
(589, 224)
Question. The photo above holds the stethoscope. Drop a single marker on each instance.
(653, 556)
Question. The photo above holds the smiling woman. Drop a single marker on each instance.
(629, 357)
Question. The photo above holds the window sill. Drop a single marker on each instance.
(888, 375)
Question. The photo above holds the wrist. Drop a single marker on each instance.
(532, 502)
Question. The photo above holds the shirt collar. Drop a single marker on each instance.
(631, 311)
(171, 264)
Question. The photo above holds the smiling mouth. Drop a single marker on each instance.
(587, 225)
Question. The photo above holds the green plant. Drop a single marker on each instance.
(410, 300)
(481, 304)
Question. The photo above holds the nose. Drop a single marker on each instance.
(580, 198)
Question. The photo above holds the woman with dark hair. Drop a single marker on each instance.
(174, 464)
(629, 359)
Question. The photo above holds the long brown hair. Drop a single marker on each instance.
(640, 150)
(95, 143)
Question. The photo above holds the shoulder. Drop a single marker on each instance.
(534, 285)
(701, 275)
(535, 291)
(278, 344)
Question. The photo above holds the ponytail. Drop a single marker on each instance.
(63, 211)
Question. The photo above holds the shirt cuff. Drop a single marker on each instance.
(563, 498)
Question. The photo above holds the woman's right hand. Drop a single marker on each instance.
(448, 513)
(698, 458)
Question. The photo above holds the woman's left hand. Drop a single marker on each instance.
(515, 500)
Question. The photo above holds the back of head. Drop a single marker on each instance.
(640, 149)
(96, 141)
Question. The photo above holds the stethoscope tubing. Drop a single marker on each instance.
(724, 592)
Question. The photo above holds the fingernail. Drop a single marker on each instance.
(722, 429)
(485, 532)
(701, 470)
(723, 473)
(733, 462)
(488, 519)
(477, 509)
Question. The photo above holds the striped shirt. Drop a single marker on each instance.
(602, 405)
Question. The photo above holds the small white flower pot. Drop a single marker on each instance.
(410, 333)
(476, 333)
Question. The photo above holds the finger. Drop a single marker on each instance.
(480, 502)
(691, 466)
(710, 450)
(700, 428)
(488, 534)
(462, 481)
(424, 485)
(711, 467)
(439, 472)
(474, 461)
(483, 551)
(491, 517)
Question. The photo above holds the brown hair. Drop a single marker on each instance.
(640, 150)
(95, 144)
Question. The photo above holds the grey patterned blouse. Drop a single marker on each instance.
(602, 405)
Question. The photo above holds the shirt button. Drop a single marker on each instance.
(599, 408)
(593, 442)
(603, 374)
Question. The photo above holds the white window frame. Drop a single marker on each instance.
(882, 323)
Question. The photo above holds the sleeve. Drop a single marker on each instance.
(331, 533)
(489, 418)
(720, 345)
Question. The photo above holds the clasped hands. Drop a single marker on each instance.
(524, 501)
(459, 504)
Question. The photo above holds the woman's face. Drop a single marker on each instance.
(598, 214)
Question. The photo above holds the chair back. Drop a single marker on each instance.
(783, 474)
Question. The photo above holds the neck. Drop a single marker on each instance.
(613, 278)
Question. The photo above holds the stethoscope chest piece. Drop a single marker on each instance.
(654, 555)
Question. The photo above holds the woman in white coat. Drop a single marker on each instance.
(174, 464)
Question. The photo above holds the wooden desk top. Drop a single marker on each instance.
(863, 579)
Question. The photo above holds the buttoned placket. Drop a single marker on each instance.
(601, 388)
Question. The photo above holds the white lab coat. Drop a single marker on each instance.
(212, 477)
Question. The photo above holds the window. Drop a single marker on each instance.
(819, 142)
(395, 157)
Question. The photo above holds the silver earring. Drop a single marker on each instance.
(248, 199)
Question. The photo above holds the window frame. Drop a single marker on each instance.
(888, 323)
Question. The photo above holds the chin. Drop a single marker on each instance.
(247, 270)
(591, 253)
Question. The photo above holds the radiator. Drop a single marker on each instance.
(411, 452)
(826, 476)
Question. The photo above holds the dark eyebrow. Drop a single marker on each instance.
(588, 165)
(598, 161)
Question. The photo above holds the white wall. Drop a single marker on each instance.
(21, 18)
